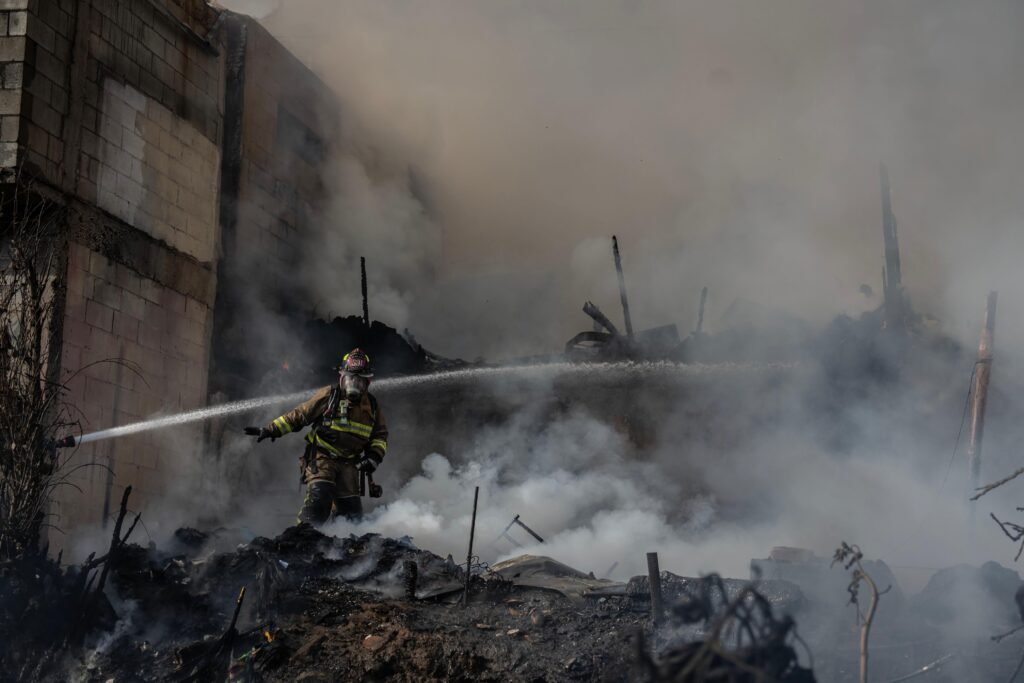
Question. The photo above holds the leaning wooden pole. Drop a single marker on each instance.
(979, 395)
(622, 287)
(469, 554)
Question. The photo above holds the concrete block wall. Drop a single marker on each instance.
(117, 108)
(123, 111)
(281, 121)
(154, 170)
(13, 20)
(280, 190)
(161, 339)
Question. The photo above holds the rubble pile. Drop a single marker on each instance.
(308, 607)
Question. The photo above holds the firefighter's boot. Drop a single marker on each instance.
(316, 506)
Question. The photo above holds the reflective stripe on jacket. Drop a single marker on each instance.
(351, 428)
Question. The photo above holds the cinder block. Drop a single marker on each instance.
(108, 294)
(10, 101)
(43, 35)
(56, 151)
(98, 315)
(150, 337)
(45, 116)
(13, 4)
(111, 130)
(118, 160)
(127, 279)
(12, 49)
(13, 74)
(177, 218)
(125, 326)
(133, 305)
(172, 302)
(100, 266)
(133, 144)
(150, 291)
(100, 394)
(17, 23)
(8, 154)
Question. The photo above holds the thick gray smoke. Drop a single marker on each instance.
(490, 149)
(732, 144)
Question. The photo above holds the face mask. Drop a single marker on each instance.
(354, 386)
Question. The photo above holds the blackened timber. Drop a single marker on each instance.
(516, 520)
(622, 288)
(654, 577)
(700, 313)
(893, 279)
(600, 318)
(979, 399)
(469, 554)
(366, 305)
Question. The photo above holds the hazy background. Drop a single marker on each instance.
(733, 144)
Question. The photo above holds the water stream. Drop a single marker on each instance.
(529, 372)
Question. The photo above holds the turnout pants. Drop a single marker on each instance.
(331, 484)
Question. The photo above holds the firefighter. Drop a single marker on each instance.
(348, 439)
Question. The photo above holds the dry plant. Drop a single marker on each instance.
(850, 556)
(32, 410)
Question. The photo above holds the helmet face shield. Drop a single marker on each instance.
(353, 385)
(354, 374)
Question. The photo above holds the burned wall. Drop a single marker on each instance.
(281, 120)
(184, 145)
(113, 109)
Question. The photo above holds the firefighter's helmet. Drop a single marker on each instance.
(356, 362)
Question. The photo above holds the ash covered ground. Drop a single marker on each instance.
(322, 608)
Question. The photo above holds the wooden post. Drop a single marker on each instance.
(979, 395)
(366, 305)
(892, 278)
(700, 313)
(654, 578)
(469, 555)
(622, 288)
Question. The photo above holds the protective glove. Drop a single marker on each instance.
(368, 464)
(260, 433)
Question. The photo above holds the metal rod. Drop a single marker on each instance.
(469, 555)
(700, 313)
(622, 287)
(979, 400)
(366, 305)
(654, 577)
(516, 520)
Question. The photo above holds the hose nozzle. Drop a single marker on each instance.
(66, 442)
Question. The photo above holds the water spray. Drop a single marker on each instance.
(633, 369)
(186, 417)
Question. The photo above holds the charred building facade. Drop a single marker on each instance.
(164, 133)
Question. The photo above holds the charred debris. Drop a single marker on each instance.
(308, 607)
(883, 337)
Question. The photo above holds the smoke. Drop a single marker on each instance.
(597, 501)
(731, 144)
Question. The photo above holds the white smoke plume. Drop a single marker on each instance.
(579, 484)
